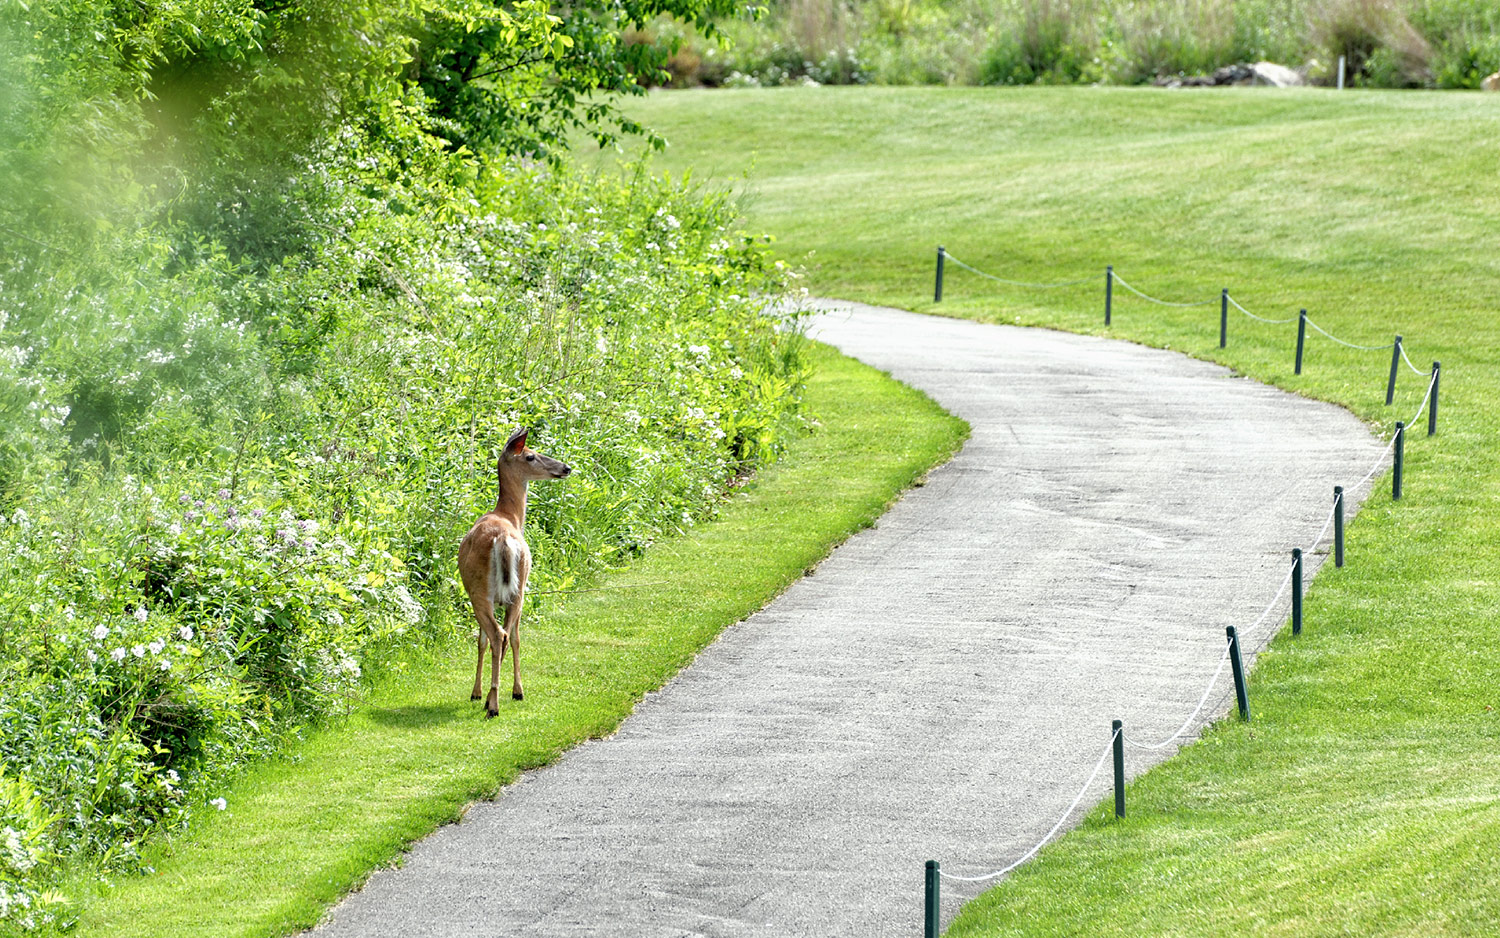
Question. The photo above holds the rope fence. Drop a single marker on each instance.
(1225, 300)
(1018, 283)
(1121, 281)
(1293, 580)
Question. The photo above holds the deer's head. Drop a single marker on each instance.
(519, 461)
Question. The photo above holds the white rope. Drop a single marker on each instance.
(1425, 398)
(1121, 281)
(1223, 659)
(1414, 369)
(1274, 322)
(1326, 525)
(1286, 581)
(1048, 836)
(1379, 464)
(1362, 348)
(1015, 283)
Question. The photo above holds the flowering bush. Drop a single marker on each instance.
(243, 538)
(257, 356)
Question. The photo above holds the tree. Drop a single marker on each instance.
(518, 77)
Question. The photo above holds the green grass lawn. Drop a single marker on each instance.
(1365, 797)
(300, 832)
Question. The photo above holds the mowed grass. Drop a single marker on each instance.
(301, 832)
(1364, 799)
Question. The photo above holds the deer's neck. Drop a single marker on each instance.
(512, 501)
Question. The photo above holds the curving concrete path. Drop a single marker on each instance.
(1116, 507)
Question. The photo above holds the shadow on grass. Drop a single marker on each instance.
(426, 716)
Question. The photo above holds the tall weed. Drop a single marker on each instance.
(1046, 41)
(1379, 43)
(1171, 37)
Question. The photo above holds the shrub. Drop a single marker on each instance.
(1465, 36)
(268, 525)
(1054, 43)
(1380, 46)
(1172, 37)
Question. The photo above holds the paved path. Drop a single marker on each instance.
(1116, 507)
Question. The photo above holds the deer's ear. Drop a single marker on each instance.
(517, 442)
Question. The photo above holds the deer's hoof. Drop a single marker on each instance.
(490, 712)
(516, 695)
(475, 696)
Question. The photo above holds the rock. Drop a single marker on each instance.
(1492, 83)
(1261, 73)
(1234, 75)
(1277, 76)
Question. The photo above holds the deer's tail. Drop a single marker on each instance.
(505, 575)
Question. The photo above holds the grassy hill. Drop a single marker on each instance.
(1362, 798)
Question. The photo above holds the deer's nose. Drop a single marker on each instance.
(566, 471)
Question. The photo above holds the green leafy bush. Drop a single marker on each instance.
(1053, 43)
(169, 630)
(25, 845)
(246, 416)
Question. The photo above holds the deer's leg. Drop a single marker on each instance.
(489, 634)
(513, 635)
(497, 648)
(479, 665)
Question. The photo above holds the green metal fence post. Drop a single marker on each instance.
(930, 923)
(1109, 290)
(937, 290)
(1390, 385)
(1400, 447)
(1237, 665)
(1223, 316)
(1119, 747)
(1437, 374)
(1301, 338)
(1296, 591)
(1338, 525)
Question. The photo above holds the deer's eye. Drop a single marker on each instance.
(531, 459)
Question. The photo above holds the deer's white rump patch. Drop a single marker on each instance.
(505, 569)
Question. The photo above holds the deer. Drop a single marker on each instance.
(494, 562)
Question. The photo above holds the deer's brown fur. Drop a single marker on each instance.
(494, 562)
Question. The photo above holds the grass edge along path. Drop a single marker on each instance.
(302, 831)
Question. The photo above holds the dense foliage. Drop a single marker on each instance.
(264, 321)
(1387, 43)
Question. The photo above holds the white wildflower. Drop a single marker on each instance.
(411, 610)
(118, 654)
(138, 650)
(219, 803)
(140, 613)
(185, 633)
(100, 633)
